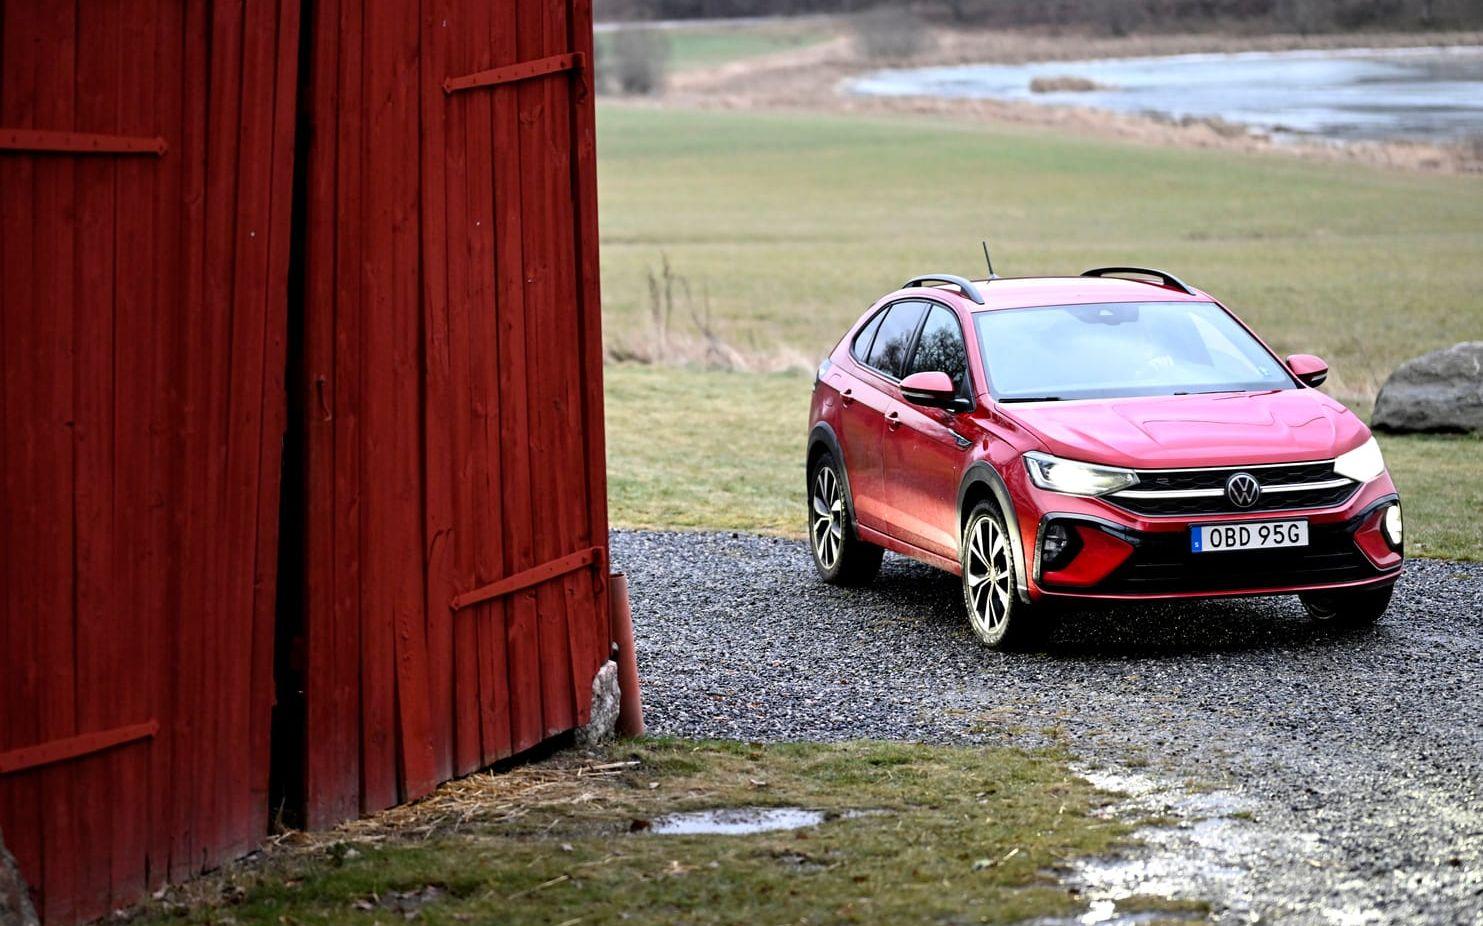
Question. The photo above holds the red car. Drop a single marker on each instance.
(1117, 435)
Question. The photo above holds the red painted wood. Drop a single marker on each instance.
(536, 575)
(510, 73)
(74, 747)
(449, 393)
(41, 140)
(137, 407)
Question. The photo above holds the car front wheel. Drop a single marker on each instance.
(840, 556)
(995, 611)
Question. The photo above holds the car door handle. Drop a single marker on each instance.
(893, 420)
(847, 398)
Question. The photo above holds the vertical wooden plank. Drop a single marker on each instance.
(246, 234)
(541, 309)
(332, 277)
(160, 572)
(184, 682)
(414, 738)
(565, 406)
(437, 492)
(468, 221)
(21, 292)
(105, 609)
(522, 647)
(588, 306)
(349, 636)
(482, 491)
(48, 462)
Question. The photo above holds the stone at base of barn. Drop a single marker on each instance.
(605, 700)
(15, 903)
(1439, 391)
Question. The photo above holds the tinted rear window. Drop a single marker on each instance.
(893, 340)
(861, 347)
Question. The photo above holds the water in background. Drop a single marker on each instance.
(1433, 94)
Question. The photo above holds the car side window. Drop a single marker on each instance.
(941, 348)
(860, 349)
(893, 340)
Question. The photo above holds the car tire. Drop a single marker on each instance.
(995, 612)
(1348, 607)
(839, 555)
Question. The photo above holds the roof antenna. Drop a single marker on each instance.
(990, 261)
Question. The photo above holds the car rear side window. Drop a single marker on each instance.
(893, 340)
(942, 349)
(861, 348)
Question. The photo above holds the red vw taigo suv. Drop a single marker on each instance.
(1117, 435)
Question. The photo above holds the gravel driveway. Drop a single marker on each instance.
(1340, 776)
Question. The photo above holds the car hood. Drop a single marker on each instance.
(1227, 429)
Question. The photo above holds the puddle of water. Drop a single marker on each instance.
(736, 821)
(1425, 93)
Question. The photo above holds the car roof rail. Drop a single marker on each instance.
(968, 288)
(1166, 279)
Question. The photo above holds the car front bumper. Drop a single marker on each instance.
(1119, 555)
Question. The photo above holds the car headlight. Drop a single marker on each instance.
(1075, 478)
(1361, 464)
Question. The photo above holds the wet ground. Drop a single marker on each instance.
(1309, 776)
(1428, 94)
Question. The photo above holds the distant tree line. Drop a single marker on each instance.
(1116, 16)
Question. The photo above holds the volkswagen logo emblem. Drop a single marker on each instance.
(1243, 490)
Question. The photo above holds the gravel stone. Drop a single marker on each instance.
(1356, 757)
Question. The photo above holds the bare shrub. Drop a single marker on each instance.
(698, 343)
(633, 60)
(890, 32)
(1065, 84)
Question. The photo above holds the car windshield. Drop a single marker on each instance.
(1122, 349)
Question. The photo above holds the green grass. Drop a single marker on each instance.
(794, 223)
(947, 835)
(697, 47)
(786, 227)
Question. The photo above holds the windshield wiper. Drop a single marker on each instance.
(1031, 398)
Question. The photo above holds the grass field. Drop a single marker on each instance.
(698, 46)
(786, 227)
(794, 223)
(913, 834)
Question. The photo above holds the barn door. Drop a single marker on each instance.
(451, 393)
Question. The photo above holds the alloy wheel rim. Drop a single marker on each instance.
(828, 518)
(988, 576)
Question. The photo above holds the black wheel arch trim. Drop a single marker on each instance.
(823, 435)
(982, 474)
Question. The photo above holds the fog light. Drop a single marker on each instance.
(1057, 538)
(1393, 526)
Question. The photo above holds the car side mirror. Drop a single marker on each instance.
(932, 389)
(1310, 370)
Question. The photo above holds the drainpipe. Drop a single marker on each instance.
(620, 615)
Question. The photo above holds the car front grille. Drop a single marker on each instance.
(1285, 487)
(1163, 563)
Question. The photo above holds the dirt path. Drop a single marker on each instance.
(809, 79)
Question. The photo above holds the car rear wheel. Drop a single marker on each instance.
(840, 556)
(995, 611)
(1348, 607)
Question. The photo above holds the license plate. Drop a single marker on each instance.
(1250, 535)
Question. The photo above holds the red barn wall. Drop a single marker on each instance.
(419, 259)
(455, 602)
(145, 162)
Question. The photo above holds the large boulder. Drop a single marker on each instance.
(15, 903)
(1439, 391)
